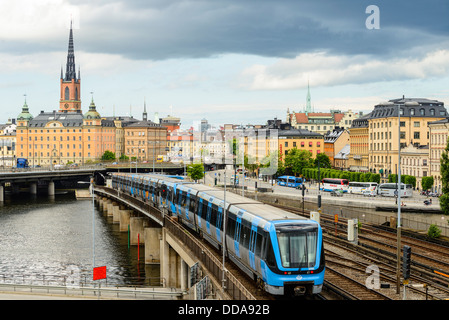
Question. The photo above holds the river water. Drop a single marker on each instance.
(48, 238)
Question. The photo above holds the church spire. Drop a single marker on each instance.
(308, 100)
(70, 85)
(70, 72)
(144, 115)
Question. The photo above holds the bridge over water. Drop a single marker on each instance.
(47, 179)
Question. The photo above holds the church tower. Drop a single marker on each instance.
(308, 108)
(70, 84)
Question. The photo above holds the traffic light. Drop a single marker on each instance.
(164, 191)
(406, 262)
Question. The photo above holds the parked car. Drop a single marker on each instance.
(337, 193)
(369, 193)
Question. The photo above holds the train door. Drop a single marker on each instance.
(252, 243)
(179, 202)
(200, 209)
(219, 222)
(238, 228)
(187, 205)
(208, 215)
(172, 198)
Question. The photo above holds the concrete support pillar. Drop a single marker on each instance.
(106, 206)
(33, 188)
(153, 237)
(110, 206)
(15, 188)
(165, 261)
(137, 225)
(184, 275)
(124, 217)
(115, 213)
(2, 193)
(51, 188)
(174, 269)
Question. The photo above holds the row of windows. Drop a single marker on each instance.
(318, 144)
(63, 130)
(61, 146)
(421, 112)
(61, 154)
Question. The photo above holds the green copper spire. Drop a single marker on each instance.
(25, 114)
(308, 102)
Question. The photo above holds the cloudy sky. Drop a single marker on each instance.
(229, 61)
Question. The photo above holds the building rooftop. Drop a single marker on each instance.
(410, 107)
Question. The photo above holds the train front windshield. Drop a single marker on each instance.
(297, 245)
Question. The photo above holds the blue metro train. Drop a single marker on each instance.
(282, 251)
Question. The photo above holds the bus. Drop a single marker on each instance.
(22, 163)
(359, 187)
(391, 190)
(330, 184)
(289, 181)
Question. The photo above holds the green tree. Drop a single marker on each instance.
(426, 183)
(375, 177)
(296, 160)
(410, 180)
(108, 155)
(195, 171)
(124, 157)
(324, 160)
(433, 232)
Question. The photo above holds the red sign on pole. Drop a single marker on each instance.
(100, 273)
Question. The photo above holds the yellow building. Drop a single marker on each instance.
(145, 140)
(358, 159)
(66, 135)
(384, 129)
(415, 162)
(301, 140)
(438, 132)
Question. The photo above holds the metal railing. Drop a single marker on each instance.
(62, 285)
(234, 288)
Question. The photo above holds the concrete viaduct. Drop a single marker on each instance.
(167, 243)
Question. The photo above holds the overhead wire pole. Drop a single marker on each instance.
(398, 223)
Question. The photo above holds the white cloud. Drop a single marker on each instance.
(326, 70)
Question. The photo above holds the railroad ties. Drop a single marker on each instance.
(350, 267)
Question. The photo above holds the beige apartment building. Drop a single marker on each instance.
(145, 140)
(438, 132)
(386, 133)
(358, 159)
(415, 162)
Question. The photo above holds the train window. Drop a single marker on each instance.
(200, 209)
(245, 236)
(213, 216)
(192, 204)
(205, 205)
(271, 259)
(259, 244)
(230, 227)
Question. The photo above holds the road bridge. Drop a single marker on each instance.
(185, 261)
(46, 178)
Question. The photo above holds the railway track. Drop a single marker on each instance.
(430, 261)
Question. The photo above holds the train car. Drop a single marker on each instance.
(281, 251)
